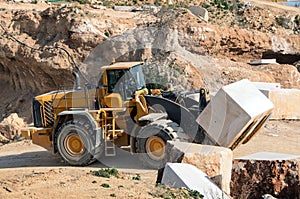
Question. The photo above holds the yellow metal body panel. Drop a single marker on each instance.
(113, 100)
(141, 105)
(39, 136)
(75, 99)
(143, 91)
(120, 65)
(26, 132)
(68, 99)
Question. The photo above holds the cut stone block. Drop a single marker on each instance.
(235, 114)
(199, 12)
(180, 175)
(266, 173)
(151, 8)
(267, 85)
(216, 162)
(263, 61)
(127, 8)
(99, 7)
(286, 103)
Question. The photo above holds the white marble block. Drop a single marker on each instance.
(235, 114)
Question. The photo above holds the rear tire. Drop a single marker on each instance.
(74, 143)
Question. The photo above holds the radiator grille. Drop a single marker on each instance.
(48, 113)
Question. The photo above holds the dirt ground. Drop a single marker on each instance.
(29, 171)
(276, 136)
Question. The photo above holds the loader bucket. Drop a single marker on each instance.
(235, 114)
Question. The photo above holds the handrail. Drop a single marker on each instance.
(66, 104)
(87, 97)
(104, 123)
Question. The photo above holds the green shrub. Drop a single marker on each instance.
(137, 177)
(106, 173)
(83, 1)
(157, 3)
(107, 3)
(184, 12)
(105, 185)
(297, 20)
(281, 22)
(226, 5)
(205, 5)
(195, 194)
(240, 5)
(106, 34)
(163, 191)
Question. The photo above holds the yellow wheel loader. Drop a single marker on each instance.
(86, 123)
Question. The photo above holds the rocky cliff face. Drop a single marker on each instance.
(237, 43)
(41, 67)
(178, 47)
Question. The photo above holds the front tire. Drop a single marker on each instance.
(152, 150)
(74, 143)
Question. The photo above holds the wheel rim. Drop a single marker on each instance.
(74, 145)
(155, 147)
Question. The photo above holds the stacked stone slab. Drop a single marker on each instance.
(188, 176)
(266, 173)
(216, 162)
(267, 85)
(285, 100)
(263, 61)
(199, 12)
(235, 114)
(286, 103)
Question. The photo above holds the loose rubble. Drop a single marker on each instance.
(10, 127)
(266, 173)
(180, 175)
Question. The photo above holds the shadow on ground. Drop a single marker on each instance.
(122, 160)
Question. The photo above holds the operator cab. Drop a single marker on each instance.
(123, 78)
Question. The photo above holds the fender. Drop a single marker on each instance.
(80, 114)
(155, 127)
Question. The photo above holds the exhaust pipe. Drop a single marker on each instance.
(77, 80)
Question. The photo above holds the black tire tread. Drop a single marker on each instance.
(167, 133)
(87, 127)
